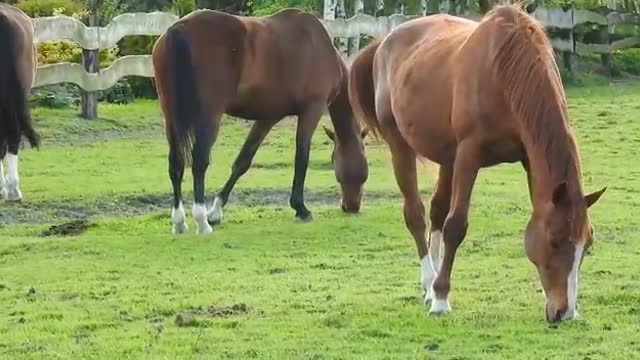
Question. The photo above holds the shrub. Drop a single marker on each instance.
(35, 8)
(628, 60)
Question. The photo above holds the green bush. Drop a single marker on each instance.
(628, 60)
(35, 8)
(120, 93)
(55, 96)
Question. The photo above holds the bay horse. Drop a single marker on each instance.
(17, 72)
(211, 63)
(469, 95)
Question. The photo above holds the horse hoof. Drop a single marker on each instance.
(214, 215)
(305, 218)
(439, 307)
(14, 196)
(180, 229)
(205, 230)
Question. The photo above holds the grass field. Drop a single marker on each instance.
(266, 286)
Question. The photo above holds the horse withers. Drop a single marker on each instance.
(17, 72)
(258, 68)
(468, 95)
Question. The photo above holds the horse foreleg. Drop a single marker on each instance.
(205, 138)
(307, 123)
(438, 211)
(240, 166)
(13, 179)
(465, 171)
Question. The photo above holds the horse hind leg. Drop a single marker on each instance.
(205, 138)
(405, 171)
(176, 173)
(13, 179)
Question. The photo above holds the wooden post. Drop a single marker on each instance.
(342, 14)
(354, 43)
(423, 7)
(399, 7)
(567, 56)
(91, 63)
(379, 8)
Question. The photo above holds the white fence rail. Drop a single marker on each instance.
(63, 27)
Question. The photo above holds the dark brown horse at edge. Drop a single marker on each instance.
(210, 63)
(17, 73)
(469, 95)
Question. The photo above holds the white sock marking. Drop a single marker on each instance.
(13, 179)
(439, 306)
(428, 274)
(215, 213)
(179, 220)
(436, 249)
(3, 182)
(572, 284)
(200, 216)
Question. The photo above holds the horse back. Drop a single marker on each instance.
(23, 40)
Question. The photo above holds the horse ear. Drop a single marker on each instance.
(364, 133)
(593, 197)
(329, 133)
(560, 194)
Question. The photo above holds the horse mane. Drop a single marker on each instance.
(525, 66)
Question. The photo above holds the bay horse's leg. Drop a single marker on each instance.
(205, 137)
(176, 172)
(3, 182)
(438, 211)
(307, 123)
(257, 134)
(465, 171)
(13, 179)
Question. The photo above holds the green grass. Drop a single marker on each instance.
(265, 286)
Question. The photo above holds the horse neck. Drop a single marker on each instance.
(344, 122)
(553, 155)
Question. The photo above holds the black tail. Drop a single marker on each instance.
(186, 107)
(15, 120)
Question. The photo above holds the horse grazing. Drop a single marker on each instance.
(261, 69)
(469, 95)
(17, 72)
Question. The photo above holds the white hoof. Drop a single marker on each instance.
(200, 216)
(439, 306)
(178, 218)
(215, 213)
(14, 194)
(427, 276)
(179, 228)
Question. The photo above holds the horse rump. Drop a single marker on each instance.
(15, 120)
(182, 91)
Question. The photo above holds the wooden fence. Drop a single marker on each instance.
(94, 38)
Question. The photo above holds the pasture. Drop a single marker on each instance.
(264, 285)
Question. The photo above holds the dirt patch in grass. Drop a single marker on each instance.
(48, 212)
(70, 228)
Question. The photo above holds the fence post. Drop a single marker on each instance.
(567, 56)
(342, 14)
(354, 43)
(91, 63)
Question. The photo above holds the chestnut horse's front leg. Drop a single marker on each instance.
(307, 123)
(465, 171)
(257, 134)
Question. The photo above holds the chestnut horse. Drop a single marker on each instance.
(469, 95)
(210, 63)
(17, 72)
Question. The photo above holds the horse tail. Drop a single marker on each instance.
(15, 120)
(361, 89)
(185, 104)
